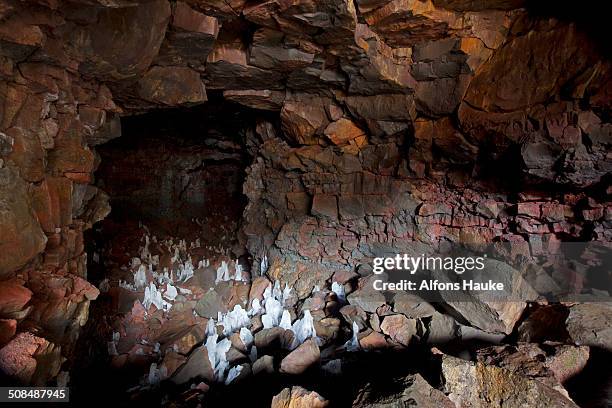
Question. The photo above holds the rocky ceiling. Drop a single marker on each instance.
(376, 124)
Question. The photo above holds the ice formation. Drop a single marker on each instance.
(153, 296)
(217, 355)
(263, 266)
(255, 307)
(223, 274)
(211, 328)
(246, 337)
(303, 329)
(338, 289)
(171, 292)
(353, 343)
(234, 320)
(234, 372)
(273, 314)
(285, 322)
(140, 277)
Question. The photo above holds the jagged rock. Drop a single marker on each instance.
(299, 360)
(412, 390)
(197, 366)
(30, 359)
(264, 365)
(210, 304)
(190, 37)
(589, 324)
(172, 86)
(8, 328)
(257, 99)
(22, 237)
(367, 298)
(298, 397)
(400, 328)
(13, 298)
(480, 385)
(136, 33)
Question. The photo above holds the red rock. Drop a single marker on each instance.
(13, 297)
(8, 328)
(299, 360)
(17, 357)
(399, 328)
(172, 86)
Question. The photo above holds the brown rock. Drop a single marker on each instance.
(21, 238)
(172, 86)
(197, 366)
(399, 328)
(298, 397)
(264, 365)
(136, 32)
(325, 205)
(8, 328)
(299, 360)
(304, 118)
(13, 298)
(412, 390)
(264, 99)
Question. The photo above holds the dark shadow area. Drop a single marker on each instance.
(590, 17)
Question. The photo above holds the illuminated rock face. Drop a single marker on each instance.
(370, 124)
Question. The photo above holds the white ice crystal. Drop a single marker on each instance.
(217, 355)
(234, 372)
(276, 291)
(353, 343)
(273, 314)
(140, 277)
(223, 274)
(153, 296)
(234, 320)
(211, 328)
(104, 286)
(170, 293)
(112, 348)
(238, 275)
(156, 374)
(286, 294)
(285, 322)
(253, 354)
(255, 307)
(263, 266)
(338, 289)
(185, 271)
(246, 337)
(303, 329)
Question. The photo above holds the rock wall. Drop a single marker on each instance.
(397, 121)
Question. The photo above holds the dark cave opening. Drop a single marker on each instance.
(173, 174)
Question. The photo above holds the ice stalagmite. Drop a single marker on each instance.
(272, 317)
(246, 337)
(234, 372)
(338, 289)
(234, 320)
(171, 292)
(285, 322)
(353, 343)
(255, 307)
(303, 329)
(140, 277)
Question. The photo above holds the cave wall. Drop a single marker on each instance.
(397, 121)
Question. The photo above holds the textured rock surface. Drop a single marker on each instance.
(381, 127)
